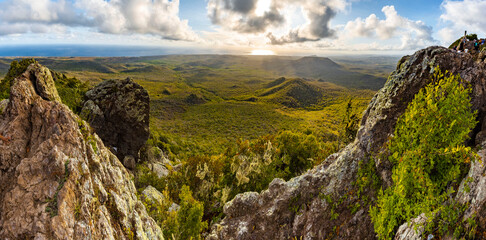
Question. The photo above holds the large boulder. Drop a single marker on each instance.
(119, 110)
(322, 203)
(57, 178)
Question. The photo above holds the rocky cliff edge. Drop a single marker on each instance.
(322, 203)
(57, 179)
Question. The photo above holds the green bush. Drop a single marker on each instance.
(15, 70)
(145, 177)
(71, 90)
(350, 124)
(297, 152)
(187, 223)
(428, 154)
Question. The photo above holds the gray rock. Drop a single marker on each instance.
(3, 105)
(156, 155)
(177, 167)
(129, 162)
(57, 179)
(159, 169)
(43, 82)
(153, 195)
(412, 231)
(174, 207)
(118, 110)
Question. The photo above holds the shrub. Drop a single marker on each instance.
(145, 177)
(428, 154)
(187, 223)
(71, 90)
(297, 152)
(15, 70)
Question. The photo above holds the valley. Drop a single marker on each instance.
(204, 102)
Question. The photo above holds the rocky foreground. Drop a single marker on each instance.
(57, 179)
(321, 204)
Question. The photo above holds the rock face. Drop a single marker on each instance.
(318, 204)
(119, 110)
(57, 179)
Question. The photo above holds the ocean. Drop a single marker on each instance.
(93, 51)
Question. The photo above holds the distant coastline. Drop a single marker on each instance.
(79, 50)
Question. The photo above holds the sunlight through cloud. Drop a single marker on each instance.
(262, 52)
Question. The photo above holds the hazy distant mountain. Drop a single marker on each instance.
(200, 66)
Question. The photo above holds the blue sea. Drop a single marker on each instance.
(93, 51)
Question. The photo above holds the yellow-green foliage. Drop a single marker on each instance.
(297, 152)
(187, 223)
(145, 178)
(71, 90)
(428, 154)
(16, 68)
(350, 124)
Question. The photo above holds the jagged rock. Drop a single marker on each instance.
(156, 155)
(129, 162)
(153, 195)
(159, 169)
(118, 110)
(475, 195)
(174, 207)
(482, 56)
(57, 179)
(42, 79)
(412, 231)
(297, 208)
(3, 105)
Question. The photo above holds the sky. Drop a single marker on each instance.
(284, 27)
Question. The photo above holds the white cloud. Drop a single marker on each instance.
(247, 16)
(412, 34)
(39, 11)
(157, 17)
(465, 14)
(462, 15)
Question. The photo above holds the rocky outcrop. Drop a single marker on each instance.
(321, 203)
(118, 110)
(3, 105)
(57, 179)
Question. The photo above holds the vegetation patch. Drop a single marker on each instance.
(15, 70)
(428, 155)
(52, 206)
(71, 90)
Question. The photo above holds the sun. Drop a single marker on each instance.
(262, 52)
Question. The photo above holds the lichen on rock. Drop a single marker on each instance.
(118, 110)
(57, 179)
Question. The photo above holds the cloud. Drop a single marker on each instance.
(465, 14)
(157, 17)
(413, 34)
(462, 15)
(39, 12)
(248, 16)
(241, 15)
